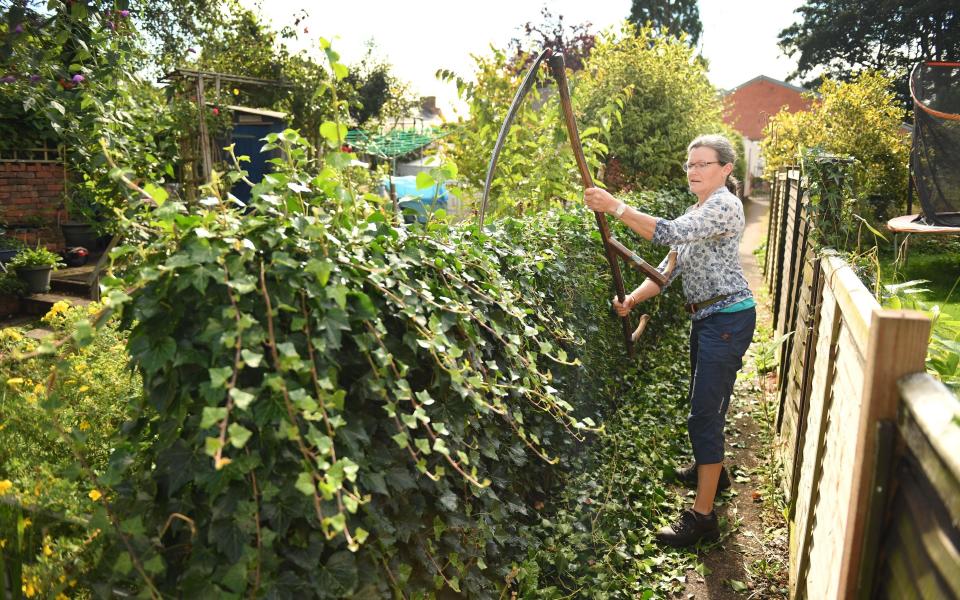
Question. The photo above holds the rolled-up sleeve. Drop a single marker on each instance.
(718, 217)
(662, 267)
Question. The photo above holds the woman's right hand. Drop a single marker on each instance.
(623, 309)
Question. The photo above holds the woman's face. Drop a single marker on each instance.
(703, 181)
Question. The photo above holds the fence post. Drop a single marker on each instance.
(897, 346)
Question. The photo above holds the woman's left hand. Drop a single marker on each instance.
(600, 200)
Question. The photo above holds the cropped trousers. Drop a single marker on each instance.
(717, 346)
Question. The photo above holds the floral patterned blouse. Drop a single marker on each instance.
(707, 241)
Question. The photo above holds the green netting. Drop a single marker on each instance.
(394, 143)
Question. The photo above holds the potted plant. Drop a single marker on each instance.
(11, 289)
(34, 266)
(9, 247)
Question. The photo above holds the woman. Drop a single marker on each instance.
(706, 239)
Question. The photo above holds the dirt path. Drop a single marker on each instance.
(750, 562)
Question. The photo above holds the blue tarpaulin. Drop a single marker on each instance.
(420, 201)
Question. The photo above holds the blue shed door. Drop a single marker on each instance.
(247, 139)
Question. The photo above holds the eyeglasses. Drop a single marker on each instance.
(698, 166)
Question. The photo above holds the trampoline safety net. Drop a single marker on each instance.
(935, 156)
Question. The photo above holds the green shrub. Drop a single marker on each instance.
(52, 407)
(860, 119)
(11, 285)
(671, 102)
(536, 169)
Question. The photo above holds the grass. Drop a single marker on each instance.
(939, 264)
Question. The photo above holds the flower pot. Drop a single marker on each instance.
(37, 278)
(76, 233)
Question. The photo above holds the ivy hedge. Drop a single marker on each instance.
(338, 406)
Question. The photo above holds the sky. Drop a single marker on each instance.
(418, 37)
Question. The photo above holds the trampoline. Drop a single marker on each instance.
(935, 152)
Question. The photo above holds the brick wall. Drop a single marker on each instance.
(749, 106)
(31, 199)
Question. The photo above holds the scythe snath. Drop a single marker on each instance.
(612, 248)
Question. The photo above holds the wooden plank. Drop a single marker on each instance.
(856, 301)
(781, 247)
(811, 461)
(932, 529)
(828, 515)
(936, 438)
(808, 364)
(897, 346)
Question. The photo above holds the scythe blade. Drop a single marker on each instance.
(528, 81)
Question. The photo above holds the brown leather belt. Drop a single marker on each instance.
(693, 307)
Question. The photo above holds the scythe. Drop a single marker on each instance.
(612, 247)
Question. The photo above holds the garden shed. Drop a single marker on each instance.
(250, 126)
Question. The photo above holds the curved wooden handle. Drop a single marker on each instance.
(558, 68)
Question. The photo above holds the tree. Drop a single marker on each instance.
(836, 40)
(860, 119)
(676, 16)
(575, 41)
(672, 102)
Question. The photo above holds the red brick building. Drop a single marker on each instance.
(31, 197)
(749, 106)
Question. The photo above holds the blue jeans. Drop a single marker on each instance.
(717, 346)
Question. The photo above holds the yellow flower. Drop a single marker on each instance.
(3, 544)
(14, 381)
(84, 425)
(236, 92)
(29, 590)
(83, 388)
(95, 495)
(9, 333)
(27, 523)
(5, 486)
(39, 388)
(47, 550)
(61, 596)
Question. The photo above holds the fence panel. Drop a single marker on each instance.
(919, 549)
(874, 504)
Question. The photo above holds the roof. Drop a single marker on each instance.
(261, 112)
(770, 80)
(394, 143)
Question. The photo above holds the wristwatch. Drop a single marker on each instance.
(620, 209)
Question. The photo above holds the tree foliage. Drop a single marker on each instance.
(838, 39)
(672, 101)
(536, 168)
(859, 119)
(678, 17)
(575, 41)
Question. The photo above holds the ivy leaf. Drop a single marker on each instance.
(305, 484)
(321, 269)
(738, 586)
(238, 435)
(241, 398)
(156, 355)
(219, 376)
(338, 576)
(251, 359)
(212, 415)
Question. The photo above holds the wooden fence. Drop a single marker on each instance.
(844, 433)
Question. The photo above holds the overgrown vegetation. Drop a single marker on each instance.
(860, 119)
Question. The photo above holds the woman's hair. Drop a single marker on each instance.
(726, 154)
